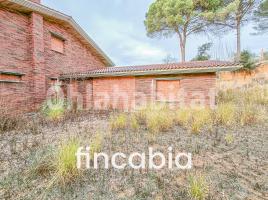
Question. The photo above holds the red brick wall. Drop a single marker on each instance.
(15, 55)
(25, 48)
(193, 90)
(128, 93)
(76, 57)
(114, 93)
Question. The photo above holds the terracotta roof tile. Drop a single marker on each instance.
(155, 67)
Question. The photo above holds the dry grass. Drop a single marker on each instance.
(59, 165)
(183, 116)
(96, 144)
(243, 106)
(65, 161)
(9, 121)
(118, 122)
(254, 95)
(226, 114)
(156, 118)
(198, 187)
(134, 124)
(135, 184)
(202, 118)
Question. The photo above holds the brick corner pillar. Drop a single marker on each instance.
(38, 60)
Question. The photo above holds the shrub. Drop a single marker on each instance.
(96, 144)
(54, 109)
(248, 60)
(66, 161)
(226, 114)
(198, 188)
(118, 122)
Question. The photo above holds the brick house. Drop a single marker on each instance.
(127, 88)
(39, 45)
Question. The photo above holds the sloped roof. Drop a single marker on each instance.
(172, 68)
(29, 6)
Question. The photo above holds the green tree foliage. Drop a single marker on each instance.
(261, 18)
(247, 59)
(232, 15)
(203, 52)
(181, 17)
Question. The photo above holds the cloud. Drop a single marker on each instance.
(126, 44)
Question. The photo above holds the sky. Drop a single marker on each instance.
(117, 26)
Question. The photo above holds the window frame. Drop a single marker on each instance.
(155, 88)
(59, 37)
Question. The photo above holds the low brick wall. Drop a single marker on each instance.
(128, 93)
(239, 79)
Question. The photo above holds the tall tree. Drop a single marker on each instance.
(181, 17)
(261, 18)
(233, 15)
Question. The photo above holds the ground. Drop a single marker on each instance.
(233, 162)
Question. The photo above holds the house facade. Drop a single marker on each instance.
(39, 46)
(128, 88)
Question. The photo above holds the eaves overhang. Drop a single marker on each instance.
(151, 72)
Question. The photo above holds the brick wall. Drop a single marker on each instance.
(128, 93)
(25, 47)
(76, 57)
(15, 55)
(114, 93)
(192, 90)
(239, 79)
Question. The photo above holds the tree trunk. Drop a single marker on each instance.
(182, 38)
(238, 40)
(182, 46)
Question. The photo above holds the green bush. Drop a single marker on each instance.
(198, 187)
(54, 109)
(248, 60)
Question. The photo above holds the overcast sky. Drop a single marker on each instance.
(117, 27)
